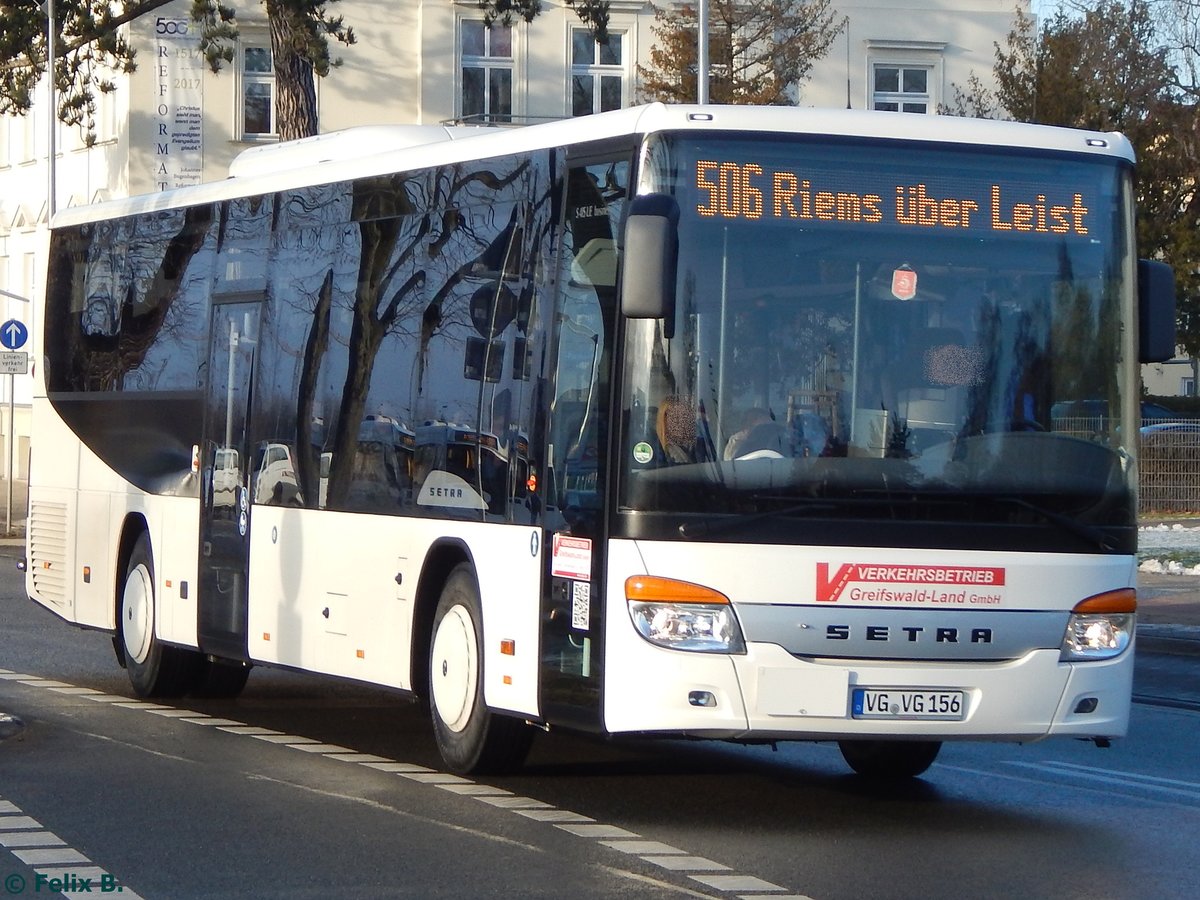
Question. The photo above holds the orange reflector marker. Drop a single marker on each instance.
(508, 647)
(652, 589)
(266, 635)
(361, 654)
(168, 582)
(508, 679)
(1122, 601)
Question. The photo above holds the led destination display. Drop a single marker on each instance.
(748, 190)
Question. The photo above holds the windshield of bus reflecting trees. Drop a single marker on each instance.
(867, 321)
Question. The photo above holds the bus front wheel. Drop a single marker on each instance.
(890, 759)
(471, 739)
(155, 669)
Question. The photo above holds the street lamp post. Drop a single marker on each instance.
(12, 429)
(51, 115)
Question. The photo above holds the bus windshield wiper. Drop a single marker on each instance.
(1089, 533)
(700, 529)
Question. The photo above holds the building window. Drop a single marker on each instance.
(898, 88)
(1187, 386)
(597, 73)
(486, 65)
(258, 91)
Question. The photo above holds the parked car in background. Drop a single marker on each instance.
(1098, 409)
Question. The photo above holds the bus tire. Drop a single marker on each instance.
(889, 759)
(154, 669)
(470, 737)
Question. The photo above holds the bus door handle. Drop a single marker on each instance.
(208, 548)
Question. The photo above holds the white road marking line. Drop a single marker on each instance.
(1135, 776)
(352, 756)
(515, 802)
(50, 856)
(320, 748)
(622, 840)
(434, 777)
(247, 729)
(31, 839)
(687, 863)
(51, 859)
(652, 848)
(19, 823)
(553, 815)
(597, 831)
(284, 739)
(1120, 779)
(475, 790)
(397, 767)
(167, 712)
(736, 883)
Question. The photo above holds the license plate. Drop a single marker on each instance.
(894, 703)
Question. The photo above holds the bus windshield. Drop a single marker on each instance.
(889, 336)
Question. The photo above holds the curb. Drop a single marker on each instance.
(1176, 640)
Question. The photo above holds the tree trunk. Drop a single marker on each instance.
(295, 82)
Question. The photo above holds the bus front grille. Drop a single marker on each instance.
(48, 549)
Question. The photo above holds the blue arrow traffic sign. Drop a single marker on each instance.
(13, 334)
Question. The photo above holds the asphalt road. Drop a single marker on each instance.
(313, 788)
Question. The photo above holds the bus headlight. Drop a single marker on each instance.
(683, 616)
(1100, 627)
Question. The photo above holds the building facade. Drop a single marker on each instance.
(173, 122)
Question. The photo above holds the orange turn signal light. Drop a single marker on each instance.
(652, 589)
(1122, 601)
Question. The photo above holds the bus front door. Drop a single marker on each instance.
(227, 468)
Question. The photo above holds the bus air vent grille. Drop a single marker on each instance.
(48, 549)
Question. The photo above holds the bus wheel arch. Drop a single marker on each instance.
(155, 669)
(471, 738)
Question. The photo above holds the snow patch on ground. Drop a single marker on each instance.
(1169, 549)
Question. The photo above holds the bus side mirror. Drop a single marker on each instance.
(1156, 311)
(649, 259)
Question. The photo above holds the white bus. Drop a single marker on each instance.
(779, 385)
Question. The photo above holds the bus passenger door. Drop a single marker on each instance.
(227, 467)
(572, 620)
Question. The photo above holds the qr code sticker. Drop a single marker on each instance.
(581, 596)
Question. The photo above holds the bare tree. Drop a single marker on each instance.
(760, 52)
(1106, 67)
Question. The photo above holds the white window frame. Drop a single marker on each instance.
(488, 63)
(254, 40)
(906, 55)
(597, 70)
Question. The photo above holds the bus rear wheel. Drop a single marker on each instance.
(890, 759)
(155, 669)
(470, 738)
